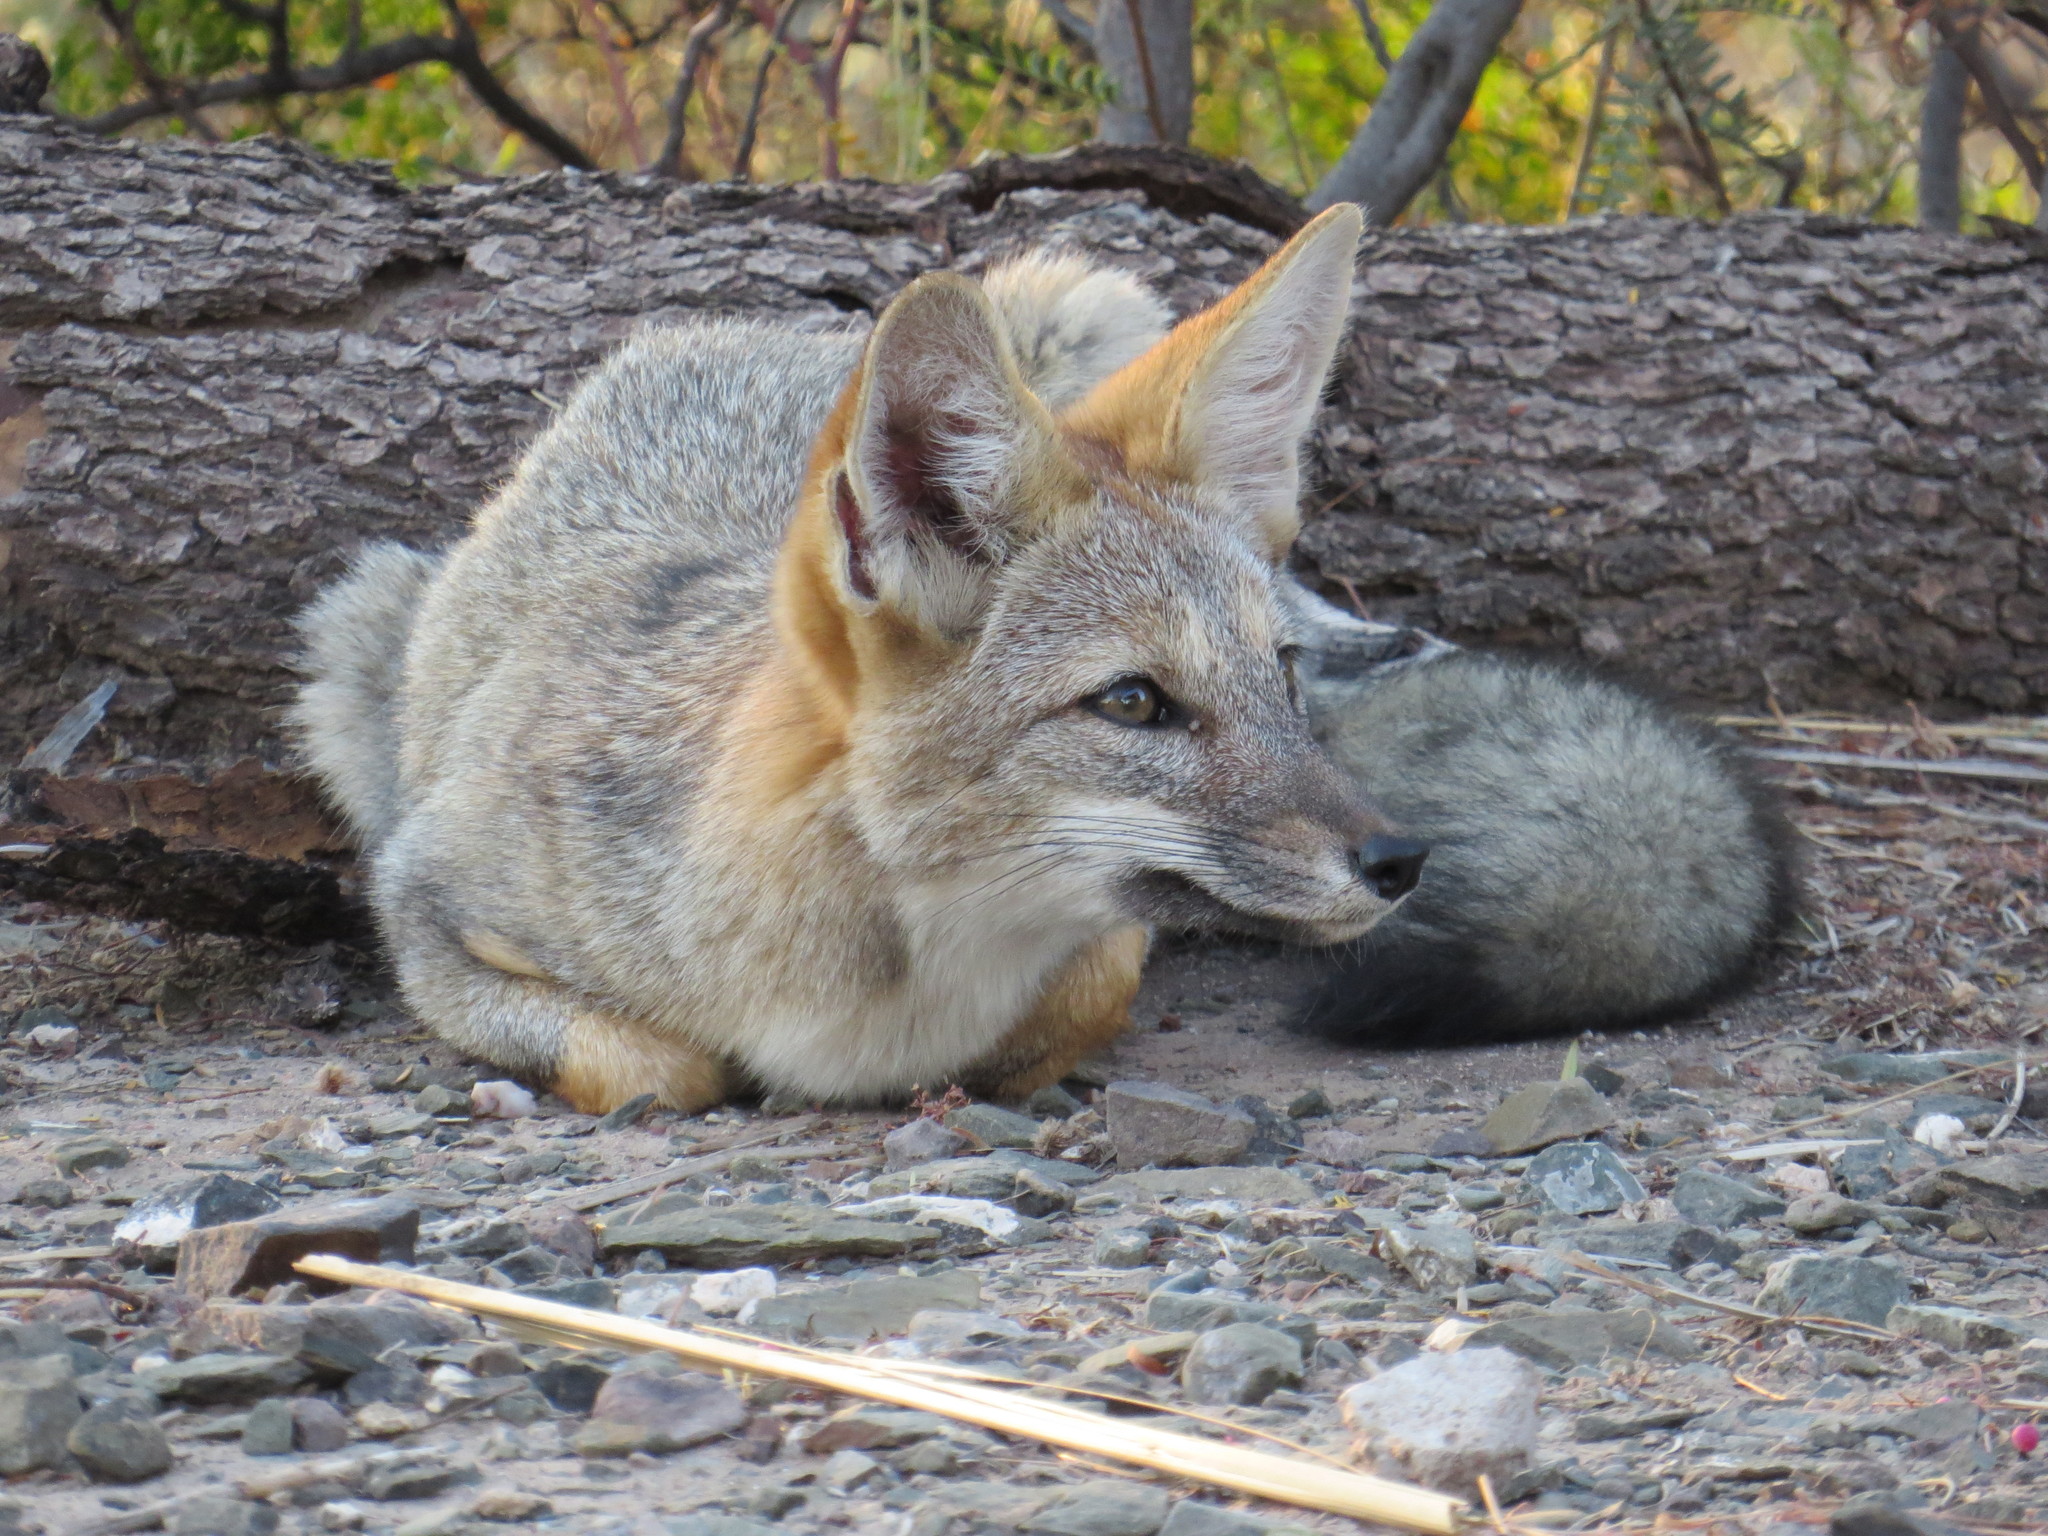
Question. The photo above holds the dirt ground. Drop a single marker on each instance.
(1925, 926)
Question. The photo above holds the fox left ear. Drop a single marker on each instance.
(1225, 400)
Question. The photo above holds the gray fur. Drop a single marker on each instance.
(1597, 859)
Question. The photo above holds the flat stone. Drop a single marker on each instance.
(1155, 1125)
(738, 1235)
(1462, 1141)
(157, 1225)
(344, 1337)
(1242, 1363)
(1811, 1215)
(38, 1406)
(1856, 1289)
(211, 1515)
(1887, 1069)
(1568, 1336)
(968, 1178)
(1102, 1509)
(530, 1165)
(1868, 1172)
(866, 1309)
(871, 1428)
(1591, 1427)
(728, 1292)
(509, 1504)
(223, 1378)
(1201, 1311)
(1935, 1423)
(923, 1140)
(1541, 1113)
(1438, 1258)
(412, 1475)
(1123, 1248)
(1716, 1201)
(845, 1471)
(241, 1255)
(1040, 1197)
(120, 1442)
(1057, 1169)
(2016, 1181)
(1697, 1071)
(957, 1335)
(1582, 1178)
(1442, 1420)
(1676, 1245)
(716, 1525)
(439, 1100)
(1254, 1186)
(643, 1411)
(1189, 1518)
(1963, 1330)
(88, 1153)
(994, 1127)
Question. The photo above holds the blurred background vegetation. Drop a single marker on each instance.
(1668, 106)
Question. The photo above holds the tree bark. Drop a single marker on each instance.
(1403, 138)
(1147, 48)
(1780, 455)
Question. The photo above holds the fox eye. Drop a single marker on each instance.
(1131, 701)
(1290, 656)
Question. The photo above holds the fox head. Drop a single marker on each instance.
(1050, 655)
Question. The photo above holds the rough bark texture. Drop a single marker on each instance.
(1775, 454)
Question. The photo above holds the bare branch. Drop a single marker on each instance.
(1706, 164)
(1374, 37)
(827, 75)
(670, 161)
(743, 157)
(1941, 141)
(1398, 147)
(467, 58)
(1964, 34)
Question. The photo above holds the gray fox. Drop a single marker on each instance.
(1599, 859)
(836, 718)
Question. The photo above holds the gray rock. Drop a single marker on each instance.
(157, 1224)
(1714, 1200)
(954, 1335)
(1053, 1103)
(86, 1153)
(1857, 1289)
(873, 1428)
(1868, 1172)
(626, 1115)
(267, 1428)
(1568, 1336)
(1103, 1509)
(1200, 1311)
(317, 1425)
(846, 1470)
(223, 1378)
(994, 1127)
(642, 1411)
(1123, 1247)
(1963, 1330)
(1242, 1363)
(1039, 1197)
(966, 1178)
(1056, 1169)
(1189, 1518)
(1438, 1259)
(344, 1337)
(923, 1140)
(1541, 1113)
(50, 1194)
(244, 1255)
(1591, 1427)
(1676, 1245)
(1582, 1178)
(1904, 1071)
(210, 1515)
(1154, 1125)
(1254, 1186)
(716, 1525)
(441, 1101)
(865, 1309)
(1977, 1114)
(1442, 1420)
(119, 1442)
(572, 1384)
(1935, 1423)
(530, 1165)
(2017, 1181)
(1462, 1141)
(740, 1235)
(412, 1475)
(1811, 1215)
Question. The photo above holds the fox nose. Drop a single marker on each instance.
(1391, 865)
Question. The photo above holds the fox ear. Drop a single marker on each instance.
(1225, 400)
(942, 436)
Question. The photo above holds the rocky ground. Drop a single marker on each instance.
(1435, 1265)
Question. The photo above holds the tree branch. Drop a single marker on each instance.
(1399, 145)
(743, 157)
(1374, 37)
(670, 161)
(1706, 162)
(1069, 22)
(356, 67)
(1965, 35)
(1941, 140)
(827, 75)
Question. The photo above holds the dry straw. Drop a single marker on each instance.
(1280, 1478)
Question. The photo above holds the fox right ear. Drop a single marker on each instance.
(942, 438)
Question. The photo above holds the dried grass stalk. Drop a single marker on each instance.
(1259, 1473)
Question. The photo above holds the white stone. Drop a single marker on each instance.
(1441, 1420)
(1940, 1133)
(725, 1291)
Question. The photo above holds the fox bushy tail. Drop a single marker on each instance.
(1070, 324)
(345, 717)
(1598, 859)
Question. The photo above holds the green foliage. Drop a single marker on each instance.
(1810, 102)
